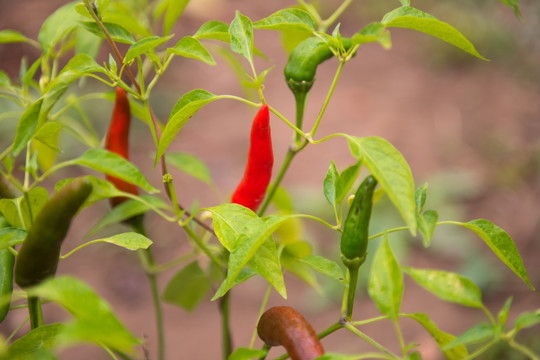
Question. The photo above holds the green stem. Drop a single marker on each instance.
(138, 226)
(353, 280)
(300, 99)
(400, 337)
(224, 308)
(327, 100)
(325, 24)
(374, 343)
(34, 310)
(480, 351)
(523, 349)
(261, 311)
(275, 185)
(331, 329)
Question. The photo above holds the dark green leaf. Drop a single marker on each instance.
(287, 19)
(386, 281)
(414, 19)
(392, 172)
(442, 338)
(448, 286)
(188, 287)
(117, 32)
(215, 30)
(190, 47)
(501, 244)
(190, 165)
(113, 164)
(241, 31)
(144, 45)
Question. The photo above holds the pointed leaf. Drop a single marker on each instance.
(386, 281)
(27, 126)
(287, 19)
(11, 36)
(188, 287)
(527, 319)
(448, 286)
(503, 314)
(514, 5)
(191, 165)
(144, 45)
(192, 48)
(324, 266)
(391, 171)
(113, 164)
(174, 10)
(474, 335)
(442, 338)
(241, 31)
(128, 240)
(214, 29)
(44, 337)
(346, 181)
(57, 25)
(420, 197)
(117, 32)
(266, 263)
(94, 319)
(330, 184)
(501, 244)
(411, 18)
(426, 224)
(186, 107)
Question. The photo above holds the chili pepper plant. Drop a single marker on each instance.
(111, 54)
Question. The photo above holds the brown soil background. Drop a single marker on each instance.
(469, 128)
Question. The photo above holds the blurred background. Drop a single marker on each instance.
(469, 128)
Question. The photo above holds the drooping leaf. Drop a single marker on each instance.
(94, 319)
(414, 19)
(448, 286)
(392, 172)
(514, 5)
(113, 164)
(188, 287)
(288, 19)
(386, 281)
(442, 338)
(192, 48)
(501, 244)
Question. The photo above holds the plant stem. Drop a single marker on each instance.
(34, 310)
(261, 311)
(138, 226)
(224, 308)
(375, 344)
(326, 23)
(523, 349)
(331, 329)
(353, 279)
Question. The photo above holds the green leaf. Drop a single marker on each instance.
(191, 165)
(215, 30)
(330, 184)
(266, 263)
(115, 165)
(414, 19)
(503, 314)
(94, 319)
(144, 45)
(128, 17)
(192, 48)
(391, 171)
(117, 32)
(386, 281)
(373, 32)
(442, 338)
(129, 209)
(184, 109)
(448, 286)
(241, 31)
(21, 211)
(514, 5)
(4, 79)
(346, 181)
(246, 354)
(287, 19)
(11, 36)
(127, 240)
(57, 25)
(188, 287)
(501, 244)
(44, 337)
(420, 197)
(175, 8)
(527, 319)
(324, 266)
(11, 236)
(101, 189)
(474, 335)
(27, 126)
(426, 224)
(228, 220)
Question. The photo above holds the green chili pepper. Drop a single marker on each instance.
(303, 61)
(39, 255)
(354, 238)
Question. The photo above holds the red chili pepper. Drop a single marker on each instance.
(251, 190)
(117, 141)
